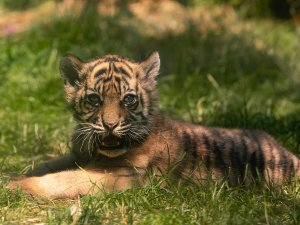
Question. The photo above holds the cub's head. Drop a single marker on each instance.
(113, 100)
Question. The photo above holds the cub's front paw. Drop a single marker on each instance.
(12, 185)
(15, 183)
(24, 184)
(32, 186)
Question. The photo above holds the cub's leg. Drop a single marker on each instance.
(73, 183)
(54, 165)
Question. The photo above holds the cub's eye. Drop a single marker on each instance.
(129, 99)
(93, 99)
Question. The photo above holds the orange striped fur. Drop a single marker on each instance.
(121, 134)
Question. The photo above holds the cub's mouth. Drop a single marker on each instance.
(110, 142)
(111, 146)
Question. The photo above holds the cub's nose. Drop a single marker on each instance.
(110, 126)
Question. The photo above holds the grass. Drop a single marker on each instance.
(215, 78)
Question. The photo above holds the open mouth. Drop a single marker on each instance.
(110, 142)
(111, 146)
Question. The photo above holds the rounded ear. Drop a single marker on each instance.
(70, 67)
(151, 65)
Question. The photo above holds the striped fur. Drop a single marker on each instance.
(121, 134)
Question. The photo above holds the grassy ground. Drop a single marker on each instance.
(216, 77)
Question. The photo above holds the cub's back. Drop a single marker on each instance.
(240, 155)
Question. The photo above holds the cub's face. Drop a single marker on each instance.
(113, 100)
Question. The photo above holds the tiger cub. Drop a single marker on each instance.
(121, 134)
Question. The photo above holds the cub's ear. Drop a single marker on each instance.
(70, 67)
(151, 67)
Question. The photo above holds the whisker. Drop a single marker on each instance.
(79, 135)
(82, 130)
(94, 140)
(83, 142)
(89, 143)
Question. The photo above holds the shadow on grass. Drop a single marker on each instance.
(217, 65)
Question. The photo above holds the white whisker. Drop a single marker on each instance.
(83, 142)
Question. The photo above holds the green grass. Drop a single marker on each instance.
(215, 78)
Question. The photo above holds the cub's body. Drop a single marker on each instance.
(121, 135)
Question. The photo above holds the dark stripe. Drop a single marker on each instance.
(208, 150)
(235, 163)
(245, 150)
(134, 106)
(218, 146)
(114, 68)
(260, 163)
(271, 163)
(98, 81)
(283, 162)
(123, 88)
(118, 81)
(91, 89)
(194, 147)
(111, 59)
(292, 169)
(136, 87)
(83, 76)
(150, 107)
(105, 88)
(125, 81)
(110, 68)
(141, 99)
(96, 64)
(116, 88)
(138, 75)
(124, 72)
(81, 101)
(106, 80)
(141, 115)
(101, 89)
(133, 116)
(186, 141)
(87, 108)
(252, 162)
(258, 166)
(100, 72)
(91, 116)
(126, 64)
(77, 116)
